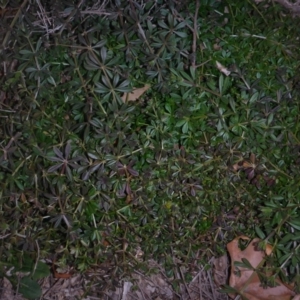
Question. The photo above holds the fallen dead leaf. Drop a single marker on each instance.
(126, 289)
(135, 94)
(247, 282)
(222, 69)
(56, 274)
(62, 275)
(237, 166)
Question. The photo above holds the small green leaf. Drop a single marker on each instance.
(41, 271)
(19, 184)
(221, 82)
(185, 127)
(180, 123)
(168, 108)
(254, 97)
(180, 25)
(174, 72)
(260, 232)
(295, 223)
(181, 34)
(228, 290)
(288, 237)
(244, 264)
(163, 24)
(232, 104)
(186, 76)
(29, 288)
(284, 257)
(270, 118)
(24, 51)
(296, 237)
(193, 72)
(30, 69)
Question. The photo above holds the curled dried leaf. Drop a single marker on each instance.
(135, 94)
(222, 69)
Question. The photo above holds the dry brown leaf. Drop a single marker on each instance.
(222, 69)
(237, 166)
(248, 283)
(62, 275)
(135, 94)
(252, 158)
(216, 47)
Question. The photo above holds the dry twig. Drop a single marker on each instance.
(195, 35)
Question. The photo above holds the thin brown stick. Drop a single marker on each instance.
(195, 35)
(142, 293)
(184, 282)
(181, 19)
(4, 236)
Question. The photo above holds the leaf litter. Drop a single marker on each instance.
(244, 277)
(135, 94)
(140, 285)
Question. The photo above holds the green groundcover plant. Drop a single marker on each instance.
(88, 178)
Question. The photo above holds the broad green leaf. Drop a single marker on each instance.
(186, 76)
(185, 127)
(24, 51)
(270, 118)
(232, 104)
(260, 232)
(42, 270)
(181, 34)
(29, 288)
(180, 123)
(254, 97)
(193, 72)
(221, 82)
(295, 223)
(180, 25)
(163, 24)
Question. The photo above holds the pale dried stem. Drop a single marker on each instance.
(195, 34)
(293, 7)
(45, 22)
